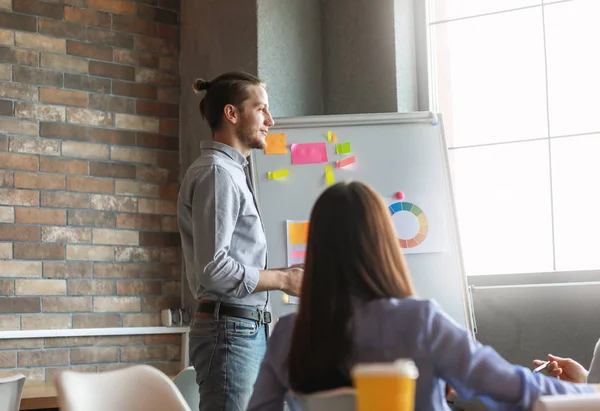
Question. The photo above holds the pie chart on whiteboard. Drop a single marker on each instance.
(411, 223)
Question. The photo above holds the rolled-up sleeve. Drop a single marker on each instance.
(475, 370)
(215, 211)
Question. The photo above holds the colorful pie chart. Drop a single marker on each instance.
(404, 206)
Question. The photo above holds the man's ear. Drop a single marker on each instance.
(231, 113)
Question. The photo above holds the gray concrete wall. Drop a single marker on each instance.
(289, 56)
(317, 56)
(359, 62)
(210, 45)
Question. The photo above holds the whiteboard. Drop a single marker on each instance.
(394, 153)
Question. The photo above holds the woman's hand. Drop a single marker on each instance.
(565, 369)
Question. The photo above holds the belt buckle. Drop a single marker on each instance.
(266, 317)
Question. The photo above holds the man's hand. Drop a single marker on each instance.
(565, 369)
(288, 280)
(292, 279)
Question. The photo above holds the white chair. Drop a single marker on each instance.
(11, 389)
(339, 399)
(585, 402)
(136, 388)
(185, 381)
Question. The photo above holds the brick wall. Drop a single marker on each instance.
(89, 93)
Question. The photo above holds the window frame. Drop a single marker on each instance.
(427, 101)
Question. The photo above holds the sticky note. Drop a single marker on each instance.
(345, 162)
(329, 177)
(331, 137)
(299, 254)
(343, 148)
(276, 144)
(274, 175)
(309, 153)
(298, 232)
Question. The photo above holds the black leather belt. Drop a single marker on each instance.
(263, 317)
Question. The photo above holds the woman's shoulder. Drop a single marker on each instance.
(413, 305)
(283, 327)
(285, 322)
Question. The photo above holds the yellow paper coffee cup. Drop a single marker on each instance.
(385, 386)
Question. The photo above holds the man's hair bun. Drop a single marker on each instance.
(200, 85)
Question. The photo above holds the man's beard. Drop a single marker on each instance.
(248, 136)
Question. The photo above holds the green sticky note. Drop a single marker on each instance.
(343, 148)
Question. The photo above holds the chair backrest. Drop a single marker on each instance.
(339, 399)
(136, 388)
(185, 381)
(586, 402)
(11, 389)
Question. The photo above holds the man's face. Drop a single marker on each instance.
(255, 118)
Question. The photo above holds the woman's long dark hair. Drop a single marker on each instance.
(352, 250)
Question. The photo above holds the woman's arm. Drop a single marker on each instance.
(474, 370)
(269, 391)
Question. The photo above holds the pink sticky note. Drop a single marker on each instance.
(309, 153)
(299, 254)
(345, 162)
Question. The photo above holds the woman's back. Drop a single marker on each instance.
(352, 251)
(388, 329)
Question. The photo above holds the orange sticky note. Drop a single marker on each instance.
(276, 144)
(298, 232)
(345, 162)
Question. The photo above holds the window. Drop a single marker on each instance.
(518, 86)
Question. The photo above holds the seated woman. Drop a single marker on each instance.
(358, 305)
(570, 370)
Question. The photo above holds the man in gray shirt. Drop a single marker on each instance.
(224, 244)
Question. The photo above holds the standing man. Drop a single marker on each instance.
(224, 244)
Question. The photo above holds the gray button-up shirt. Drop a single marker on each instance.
(223, 241)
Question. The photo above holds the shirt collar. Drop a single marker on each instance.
(225, 149)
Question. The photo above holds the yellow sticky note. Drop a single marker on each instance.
(331, 137)
(274, 175)
(329, 177)
(276, 144)
(298, 232)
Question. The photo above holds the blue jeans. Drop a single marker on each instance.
(226, 353)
